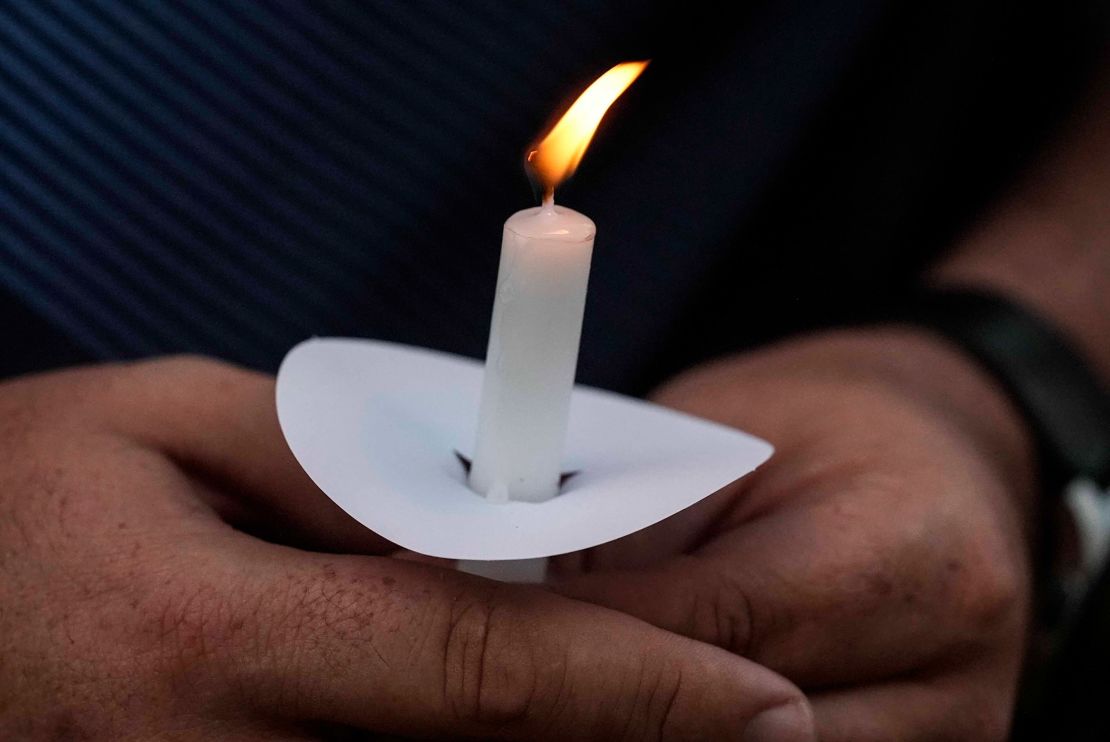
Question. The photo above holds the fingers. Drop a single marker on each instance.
(221, 421)
(800, 592)
(949, 708)
(401, 647)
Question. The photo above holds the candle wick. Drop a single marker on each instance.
(548, 201)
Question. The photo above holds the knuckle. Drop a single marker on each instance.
(725, 612)
(994, 597)
(489, 676)
(193, 627)
(658, 695)
(733, 617)
(325, 612)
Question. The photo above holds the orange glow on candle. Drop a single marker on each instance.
(554, 158)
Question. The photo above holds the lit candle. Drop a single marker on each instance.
(537, 315)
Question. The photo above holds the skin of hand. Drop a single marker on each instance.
(132, 607)
(878, 560)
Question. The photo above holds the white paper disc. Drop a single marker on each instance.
(376, 426)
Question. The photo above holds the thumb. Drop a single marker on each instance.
(387, 645)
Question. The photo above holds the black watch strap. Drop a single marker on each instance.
(1065, 405)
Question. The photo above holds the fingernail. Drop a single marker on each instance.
(790, 722)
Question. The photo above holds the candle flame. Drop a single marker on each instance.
(556, 156)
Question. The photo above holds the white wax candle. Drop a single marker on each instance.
(533, 352)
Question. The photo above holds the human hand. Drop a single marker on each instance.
(878, 559)
(130, 607)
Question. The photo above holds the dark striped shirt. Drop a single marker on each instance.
(231, 177)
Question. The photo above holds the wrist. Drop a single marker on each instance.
(1032, 259)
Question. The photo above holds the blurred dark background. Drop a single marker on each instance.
(229, 178)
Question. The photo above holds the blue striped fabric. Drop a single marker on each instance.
(229, 177)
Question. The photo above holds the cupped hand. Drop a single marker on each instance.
(134, 603)
(878, 560)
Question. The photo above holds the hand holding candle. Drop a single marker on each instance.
(537, 315)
